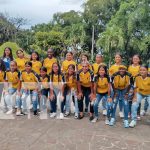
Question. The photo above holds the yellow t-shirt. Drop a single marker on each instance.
(71, 82)
(95, 67)
(48, 64)
(13, 78)
(56, 80)
(65, 65)
(36, 65)
(29, 80)
(142, 85)
(134, 70)
(45, 82)
(102, 84)
(85, 78)
(21, 63)
(113, 69)
(122, 82)
(2, 74)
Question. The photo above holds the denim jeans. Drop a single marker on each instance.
(99, 97)
(120, 101)
(43, 99)
(33, 97)
(8, 98)
(53, 103)
(135, 105)
(69, 97)
(146, 105)
(121, 97)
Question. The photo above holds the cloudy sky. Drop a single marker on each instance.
(38, 11)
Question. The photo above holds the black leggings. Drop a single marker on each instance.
(86, 93)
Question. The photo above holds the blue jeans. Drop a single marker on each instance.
(146, 105)
(68, 101)
(120, 101)
(53, 103)
(99, 97)
(43, 99)
(8, 98)
(135, 105)
(121, 97)
(33, 96)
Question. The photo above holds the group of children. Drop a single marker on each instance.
(41, 83)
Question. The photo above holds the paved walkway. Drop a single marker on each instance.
(70, 134)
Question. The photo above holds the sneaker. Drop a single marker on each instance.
(126, 124)
(91, 118)
(107, 122)
(104, 112)
(76, 116)
(67, 114)
(52, 115)
(18, 113)
(112, 122)
(61, 116)
(94, 120)
(121, 114)
(143, 113)
(132, 124)
(138, 117)
(9, 112)
(80, 117)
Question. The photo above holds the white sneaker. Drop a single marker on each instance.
(132, 124)
(18, 113)
(143, 113)
(52, 115)
(9, 112)
(94, 120)
(104, 112)
(107, 122)
(121, 114)
(61, 116)
(66, 114)
(76, 116)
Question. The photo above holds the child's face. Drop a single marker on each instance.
(13, 66)
(20, 54)
(70, 70)
(28, 68)
(68, 56)
(101, 71)
(118, 59)
(84, 58)
(34, 56)
(7, 52)
(85, 67)
(136, 60)
(42, 73)
(55, 68)
(99, 59)
(122, 71)
(143, 71)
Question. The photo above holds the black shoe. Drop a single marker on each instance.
(86, 110)
(80, 117)
(91, 118)
(35, 113)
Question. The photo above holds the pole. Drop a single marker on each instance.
(92, 50)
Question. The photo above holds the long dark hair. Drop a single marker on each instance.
(52, 73)
(67, 74)
(10, 56)
(38, 57)
(105, 68)
(2, 65)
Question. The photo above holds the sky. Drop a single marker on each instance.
(38, 11)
